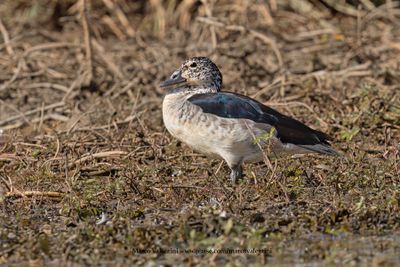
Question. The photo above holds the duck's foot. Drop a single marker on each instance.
(236, 174)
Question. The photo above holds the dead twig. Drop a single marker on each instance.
(160, 16)
(114, 27)
(208, 11)
(49, 194)
(219, 167)
(16, 110)
(77, 83)
(51, 116)
(54, 45)
(267, 40)
(31, 112)
(126, 88)
(128, 119)
(88, 45)
(41, 118)
(266, 13)
(14, 77)
(107, 60)
(6, 38)
(121, 16)
(104, 154)
(266, 158)
(186, 187)
(368, 4)
(342, 7)
(59, 87)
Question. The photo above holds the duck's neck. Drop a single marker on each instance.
(190, 90)
(175, 102)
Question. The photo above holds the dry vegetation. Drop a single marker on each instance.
(82, 136)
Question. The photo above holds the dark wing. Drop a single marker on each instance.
(231, 105)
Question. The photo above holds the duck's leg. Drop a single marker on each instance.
(236, 173)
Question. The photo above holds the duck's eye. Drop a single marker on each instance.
(193, 65)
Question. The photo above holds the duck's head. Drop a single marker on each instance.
(195, 73)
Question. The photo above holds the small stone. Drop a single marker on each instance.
(11, 236)
(223, 214)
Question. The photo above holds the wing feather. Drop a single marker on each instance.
(236, 106)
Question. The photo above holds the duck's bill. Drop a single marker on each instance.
(175, 79)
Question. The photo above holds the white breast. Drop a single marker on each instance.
(181, 119)
(231, 139)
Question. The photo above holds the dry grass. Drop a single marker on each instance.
(82, 136)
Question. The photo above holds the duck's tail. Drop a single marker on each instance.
(321, 149)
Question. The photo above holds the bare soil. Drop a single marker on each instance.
(89, 175)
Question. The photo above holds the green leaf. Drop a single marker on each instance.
(349, 134)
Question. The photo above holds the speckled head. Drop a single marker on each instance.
(197, 72)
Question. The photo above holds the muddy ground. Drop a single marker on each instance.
(89, 175)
